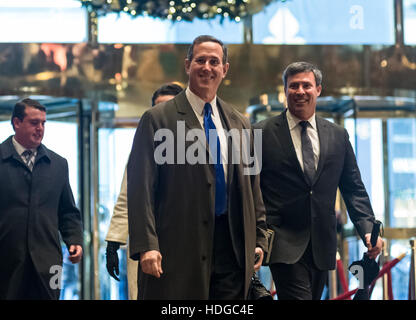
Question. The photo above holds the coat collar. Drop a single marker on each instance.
(229, 119)
(187, 114)
(8, 151)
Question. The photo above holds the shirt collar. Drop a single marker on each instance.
(19, 148)
(198, 104)
(293, 121)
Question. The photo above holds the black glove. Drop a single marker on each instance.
(112, 258)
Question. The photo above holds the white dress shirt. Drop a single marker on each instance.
(20, 149)
(311, 130)
(197, 105)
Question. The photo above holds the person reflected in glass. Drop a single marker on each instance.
(305, 159)
(37, 208)
(118, 231)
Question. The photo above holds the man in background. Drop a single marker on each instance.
(118, 231)
(305, 159)
(36, 209)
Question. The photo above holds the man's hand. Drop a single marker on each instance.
(151, 263)
(112, 259)
(260, 254)
(75, 253)
(373, 252)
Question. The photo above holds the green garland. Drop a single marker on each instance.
(177, 10)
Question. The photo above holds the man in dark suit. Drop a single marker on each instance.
(195, 237)
(305, 159)
(36, 208)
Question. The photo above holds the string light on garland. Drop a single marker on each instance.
(177, 10)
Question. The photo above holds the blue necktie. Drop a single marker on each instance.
(220, 186)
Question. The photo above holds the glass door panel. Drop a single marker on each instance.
(402, 172)
(401, 133)
(386, 149)
(366, 137)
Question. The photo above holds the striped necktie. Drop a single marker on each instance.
(27, 155)
(307, 153)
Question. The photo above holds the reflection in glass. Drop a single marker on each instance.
(409, 17)
(367, 141)
(400, 272)
(402, 172)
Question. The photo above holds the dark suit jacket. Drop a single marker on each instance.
(170, 206)
(300, 212)
(36, 208)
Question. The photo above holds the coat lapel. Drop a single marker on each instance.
(8, 151)
(186, 113)
(230, 120)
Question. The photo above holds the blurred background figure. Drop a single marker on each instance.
(118, 231)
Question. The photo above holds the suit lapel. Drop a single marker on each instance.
(283, 134)
(322, 128)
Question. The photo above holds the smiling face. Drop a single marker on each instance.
(206, 70)
(29, 131)
(301, 94)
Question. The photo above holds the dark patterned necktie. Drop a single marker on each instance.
(307, 153)
(27, 155)
(220, 186)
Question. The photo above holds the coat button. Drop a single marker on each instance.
(203, 258)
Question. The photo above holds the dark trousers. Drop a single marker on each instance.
(299, 281)
(227, 278)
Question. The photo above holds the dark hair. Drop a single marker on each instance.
(207, 38)
(299, 67)
(169, 89)
(20, 106)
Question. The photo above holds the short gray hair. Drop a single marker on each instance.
(207, 38)
(299, 67)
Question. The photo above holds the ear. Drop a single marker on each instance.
(225, 69)
(16, 122)
(319, 89)
(187, 66)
